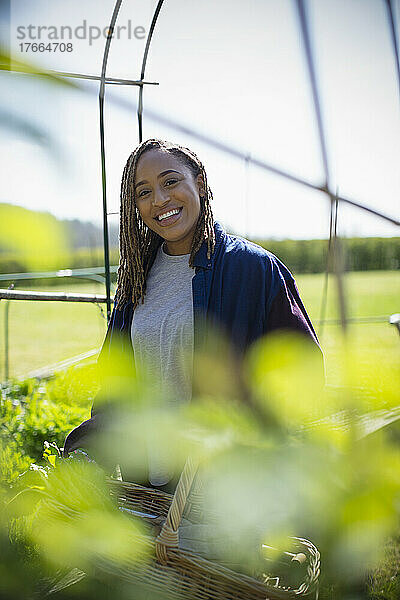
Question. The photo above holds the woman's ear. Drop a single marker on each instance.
(200, 185)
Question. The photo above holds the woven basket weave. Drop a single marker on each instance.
(177, 573)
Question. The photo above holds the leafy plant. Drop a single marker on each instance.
(34, 412)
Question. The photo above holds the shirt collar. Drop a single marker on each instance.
(201, 260)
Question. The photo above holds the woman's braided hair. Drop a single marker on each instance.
(138, 243)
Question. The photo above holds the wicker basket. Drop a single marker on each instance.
(177, 573)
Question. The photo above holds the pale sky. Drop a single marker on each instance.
(233, 71)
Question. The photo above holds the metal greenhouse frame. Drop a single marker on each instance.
(325, 187)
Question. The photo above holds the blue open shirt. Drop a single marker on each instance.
(242, 288)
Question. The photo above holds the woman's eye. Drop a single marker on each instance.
(142, 193)
(172, 180)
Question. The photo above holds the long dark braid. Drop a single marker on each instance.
(138, 243)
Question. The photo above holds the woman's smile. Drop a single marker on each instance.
(169, 217)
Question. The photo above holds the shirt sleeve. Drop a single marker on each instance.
(286, 310)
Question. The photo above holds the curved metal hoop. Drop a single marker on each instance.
(110, 32)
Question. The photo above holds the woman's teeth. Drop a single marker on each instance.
(175, 211)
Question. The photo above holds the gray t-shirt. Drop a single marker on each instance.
(162, 340)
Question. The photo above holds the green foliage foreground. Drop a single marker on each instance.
(279, 457)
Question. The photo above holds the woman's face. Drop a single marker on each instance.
(163, 185)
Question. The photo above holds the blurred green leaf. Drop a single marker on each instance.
(38, 238)
(283, 370)
(76, 521)
(9, 63)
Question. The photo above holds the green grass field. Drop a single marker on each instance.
(43, 333)
(368, 294)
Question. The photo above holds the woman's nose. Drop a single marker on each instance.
(160, 198)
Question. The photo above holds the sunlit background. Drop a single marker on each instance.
(279, 454)
(233, 72)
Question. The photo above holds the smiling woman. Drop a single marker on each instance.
(159, 178)
(179, 269)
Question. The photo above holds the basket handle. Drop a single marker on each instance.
(169, 536)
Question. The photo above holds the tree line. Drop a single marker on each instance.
(301, 256)
(360, 254)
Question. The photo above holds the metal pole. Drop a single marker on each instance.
(395, 320)
(6, 337)
(103, 158)
(83, 76)
(395, 46)
(326, 278)
(105, 219)
(338, 261)
(6, 348)
(51, 296)
(146, 52)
